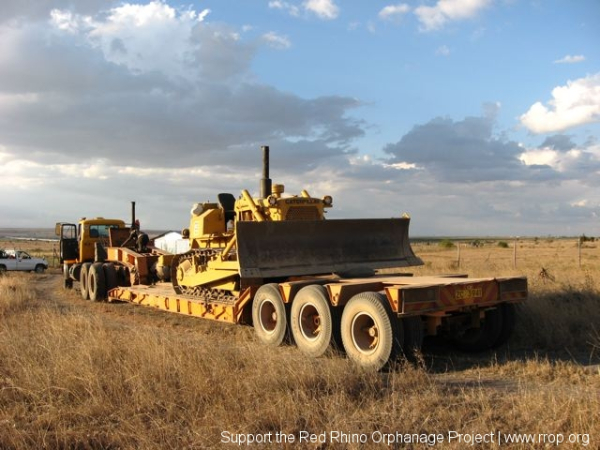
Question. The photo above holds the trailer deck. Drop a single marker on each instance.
(408, 295)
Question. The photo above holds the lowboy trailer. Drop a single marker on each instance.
(377, 318)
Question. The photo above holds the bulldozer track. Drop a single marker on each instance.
(208, 295)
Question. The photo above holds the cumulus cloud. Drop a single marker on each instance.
(324, 9)
(568, 59)
(576, 103)
(394, 12)
(444, 11)
(460, 151)
(148, 85)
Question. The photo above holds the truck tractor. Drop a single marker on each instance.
(85, 258)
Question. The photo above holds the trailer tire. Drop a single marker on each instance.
(482, 338)
(83, 281)
(97, 283)
(370, 336)
(269, 315)
(110, 276)
(509, 320)
(413, 336)
(311, 321)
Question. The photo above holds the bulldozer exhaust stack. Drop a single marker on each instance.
(265, 182)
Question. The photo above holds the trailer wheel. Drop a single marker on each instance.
(312, 321)
(269, 315)
(509, 320)
(482, 338)
(110, 275)
(83, 280)
(413, 335)
(369, 335)
(96, 283)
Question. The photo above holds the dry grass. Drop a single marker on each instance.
(79, 375)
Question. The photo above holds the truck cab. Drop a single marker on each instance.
(77, 242)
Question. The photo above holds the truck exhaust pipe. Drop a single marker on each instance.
(132, 214)
(265, 182)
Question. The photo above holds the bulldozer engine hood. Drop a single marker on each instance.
(290, 248)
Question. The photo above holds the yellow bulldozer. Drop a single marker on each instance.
(233, 242)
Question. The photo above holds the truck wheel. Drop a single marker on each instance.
(311, 321)
(2, 269)
(368, 331)
(482, 338)
(509, 320)
(413, 335)
(83, 281)
(39, 268)
(96, 283)
(110, 275)
(269, 315)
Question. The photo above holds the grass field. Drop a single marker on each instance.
(82, 375)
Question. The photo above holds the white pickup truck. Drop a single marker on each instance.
(20, 260)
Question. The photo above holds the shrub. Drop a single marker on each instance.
(446, 243)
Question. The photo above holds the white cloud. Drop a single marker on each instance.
(435, 17)
(293, 10)
(276, 41)
(394, 12)
(540, 157)
(572, 105)
(324, 9)
(145, 38)
(64, 20)
(154, 86)
(570, 59)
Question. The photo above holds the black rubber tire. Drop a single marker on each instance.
(269, 315)
(413, 336)
(40, 268)
(83, 281)
(482, 338)
(2, 268)
(370, 334)
(311, 321)
(509, 320)
(110, 276)
(97, 283)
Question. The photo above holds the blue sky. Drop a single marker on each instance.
(477, 117)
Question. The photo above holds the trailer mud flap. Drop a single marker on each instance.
(274, 249)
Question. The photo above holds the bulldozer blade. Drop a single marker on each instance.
(289, 248)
